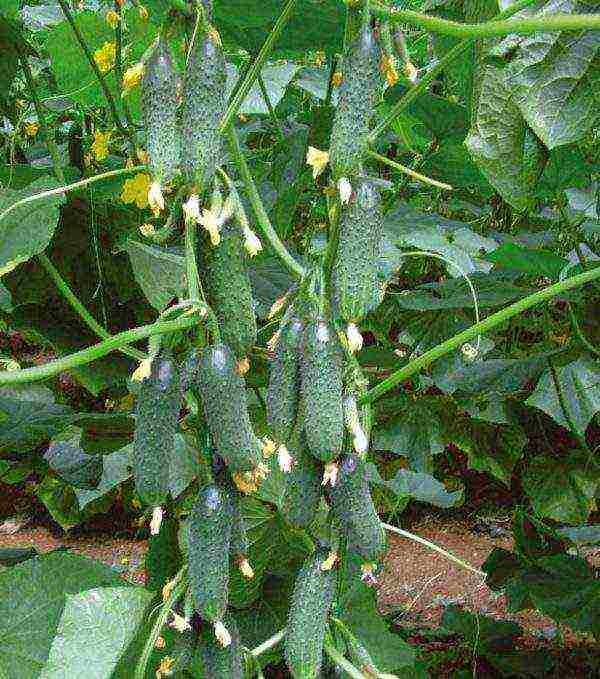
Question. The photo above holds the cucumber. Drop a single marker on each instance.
(209, 537)
(307, 621)
(160, 103)
(284, 381)
(223, 393)
(321, 390)
(353, 505)
(227, 286)
(156, 425)
(358, 95)
(204, 103)
(189, 369)
(354, 278)
(303, 486)
(218, 662)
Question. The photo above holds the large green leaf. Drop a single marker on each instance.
(28, 229)
(579, 384)
(501, 144)
(33, 598)
(159, 271)
(554, 78)
(532, 262)
(562, 489)
(95, 629)
(29, 416)
(117, 469)
(67, 458)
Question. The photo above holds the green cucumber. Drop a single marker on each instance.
(307, 621)
(204, 103)
(353, 506)
(284, 381)
(302, 485)
(223, 393)
(218, 662)
(209, 537)
(354, 277)
(160, 103)
(158, 405)
(227, 286)
(358, 95)
(321, 390)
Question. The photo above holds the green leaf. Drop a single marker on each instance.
(67, 458)
(579, 383)
(562, 489)
(11, 556)
(39, 587)
(484, 633)
(183, 465)
(276, 78)
(117, 469)
(532, 262)
(60, 500)
(269, 280)
(28, 229)
(95, 629)
(159, 271)
(29, 416)
(501, 144)
(554, 78)
(163, 558)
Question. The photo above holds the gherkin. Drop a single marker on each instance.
(218, 662)
(358, 96)
(156, 424)
(204, 103)
(160, 104)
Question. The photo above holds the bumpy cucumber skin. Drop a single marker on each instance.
(204, 103)
(156, 424)
(209, 537)
(223, 393)
(302, 485)
(354, 276)
(305, 631)
(227, 286)
(358, 94)
(321, 390)
(160, 103)
(284, 381)
(219, 662)
(353, 505)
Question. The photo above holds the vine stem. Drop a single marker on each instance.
(250, 76)
(269, 105)
(86, 316)
(408, 171)
(119, 63)
(107, 93)
(260, 213)
(431, 75)
(434, 547)
(96, 351)
(176, 592)
(268, 644)
(341, 662)
(70, 187)
(478, 329)
(549, 23)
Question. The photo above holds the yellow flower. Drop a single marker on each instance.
(317, 159)
(337, 78)
(105, 57)
(143, 12)
(112, 18)
(132, 77)
(388, 69)
(31, 129)
(100, 144)
(135, 190)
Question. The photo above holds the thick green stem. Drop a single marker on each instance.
(119, 63)
(260, 213)
(267, 100)
(86, 316)
(408, 171)
(69, 187)
(549, 23)
(431, 75)
(250, 77)
(90, 57)
(480, 328)
(95, 352)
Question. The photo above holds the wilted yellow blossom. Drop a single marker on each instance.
(336, 79)
(100, 144)
(388, 69)
(105, 56)
(132, 77)
(317, 159)
(143, 12)
(135, 190)
(31, 129)
(112, 18)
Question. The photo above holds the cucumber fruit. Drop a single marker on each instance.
(218, 662)
(156, 425)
